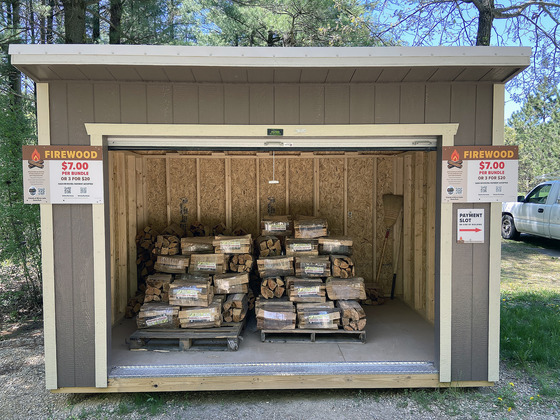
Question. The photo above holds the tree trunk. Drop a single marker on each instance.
(74, 21)
(50, 23)
(96, 24)
(115, 11)
(485, 19)
(14, 75)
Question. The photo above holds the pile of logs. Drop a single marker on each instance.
(134, 304)
(167, 245)
(272, 287)
(198, 229)
(234, 309)
(240, 263)
(342, 266)
(145, 258)
(374, 297)
(269, 246)
(353, 315)
(157, 288)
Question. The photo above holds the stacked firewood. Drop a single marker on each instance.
(277, 314)
(239, 263)
(167, 245)
(157, 288)
(269, 246)
(272, 287)
(342, 266)
(235, 307)
(353, 315)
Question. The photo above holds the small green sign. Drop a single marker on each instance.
(274, 131)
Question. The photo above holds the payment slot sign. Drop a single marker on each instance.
(470, 226)
(63, 174)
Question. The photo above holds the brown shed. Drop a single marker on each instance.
(197, 123)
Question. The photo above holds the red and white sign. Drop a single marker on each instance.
(470, 226)
(63, 174)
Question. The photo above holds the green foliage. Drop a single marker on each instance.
(536, 130)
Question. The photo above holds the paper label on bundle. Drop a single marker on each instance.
(314, 269)
(199, 316)
(319, 318)
(305, 291)
(276, 264)
(301, 247)
(274, 315)
(231, 244)
(205, 266)
(156, 321)
(275, 226)
(188, 293)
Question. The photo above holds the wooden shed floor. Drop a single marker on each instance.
(394, 331)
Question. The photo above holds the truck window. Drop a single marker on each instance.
(539, 194)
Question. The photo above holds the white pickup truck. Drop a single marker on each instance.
(537, 214)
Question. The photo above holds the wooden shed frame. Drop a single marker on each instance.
(506, 63)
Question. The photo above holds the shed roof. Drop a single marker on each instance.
(45, 63)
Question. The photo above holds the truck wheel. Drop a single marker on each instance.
(508, 228)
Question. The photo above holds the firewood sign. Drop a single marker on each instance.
(479, 174)
(62, 174)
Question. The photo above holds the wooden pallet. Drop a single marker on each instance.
(312, 336)
(221, 338)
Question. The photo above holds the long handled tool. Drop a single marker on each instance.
(392, 205)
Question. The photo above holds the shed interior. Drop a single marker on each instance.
(146, 188)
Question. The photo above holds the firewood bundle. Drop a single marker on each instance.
(251, 300)
(198, 229)
(307, 290)
(191, 293)
(133, 305)
(201, 317)
(277, 225)
(275, 266)
(232, 244)
(235, 307)
(208, 263)
(342, 266)
(240, 263)
(239, 231)
(167, 245)
(272, 287)
(231, 283)
(219, 229)
(275, 315)
(197, 245)
(157, 288)
(310, 227)
(346, 289)
(298, 247)
(335, 245)
(145, 258)
(158, 315)
(353, 315)
(318, 317)
(174, 264)
(268, 246)
(312, 266)
(374, 297)
(173, 229)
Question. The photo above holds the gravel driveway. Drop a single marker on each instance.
(23, 396)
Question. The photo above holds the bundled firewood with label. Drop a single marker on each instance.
(318, 318)
(268, 246)
(272, 287)
(240, 263)
(167, 245)
(208, 263)
(231, 283)
(335, 245)
(275, 266)
(353, 315)
(342, 266)
(157, 288)
(191, 293)
(299, 247)
(310, 227)
(197, 245)
(312, 266)
(276, 315)
(158, 315)
(174, 264)
(277, 225)
(346, 289)
(233, 244)
(201, 317)
(307, 290)
(235, 307)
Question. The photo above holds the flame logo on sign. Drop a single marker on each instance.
(455, 156)
(35, 156)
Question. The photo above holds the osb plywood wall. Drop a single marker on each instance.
(233, 188)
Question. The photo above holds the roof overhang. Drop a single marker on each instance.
(44, 63)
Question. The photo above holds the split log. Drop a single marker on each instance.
(241, 263)
(276, 315)
(342, 266)
(231, 283)
(232, 244)
(353, 315)
(277, 225)
(272, 287)
(340, 245)
(158, 315)
(157, 288)
(208, 264)
(197, 245)
(235, 308)
(307, 290)
(175, 264)
(346, 289)
(310, 227)
(275, 266)
(312, 266)
(268, 246)
(201, 317)
(191, 293)
(298, 247)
